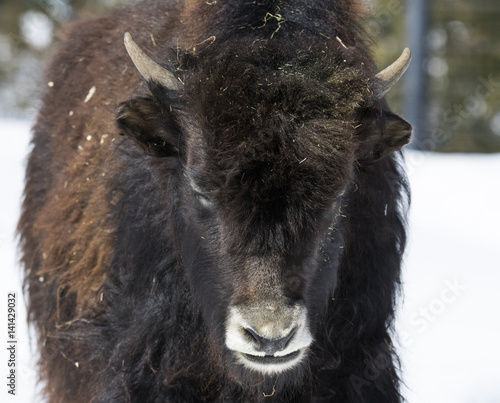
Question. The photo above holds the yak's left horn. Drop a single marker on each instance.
(386, 79)
(149, 69)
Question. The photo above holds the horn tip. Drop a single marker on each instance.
(127, 38)
(407, 53)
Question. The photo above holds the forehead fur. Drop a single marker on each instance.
(279, 119)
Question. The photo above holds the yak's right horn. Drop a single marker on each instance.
(149, 69)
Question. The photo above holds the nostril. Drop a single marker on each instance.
(269, 346)
(286, 339)
(253, 336)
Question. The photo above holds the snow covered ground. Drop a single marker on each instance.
(14, 140)
(449, 323)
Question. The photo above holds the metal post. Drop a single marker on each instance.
(416, 78)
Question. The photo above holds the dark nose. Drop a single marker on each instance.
(270, 347)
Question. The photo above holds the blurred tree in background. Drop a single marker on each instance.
(27, 29)
(462, 64)
(462, 61)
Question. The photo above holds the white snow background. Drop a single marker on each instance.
(449, 322)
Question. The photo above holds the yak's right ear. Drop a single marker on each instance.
(149, 121)
(142, 120)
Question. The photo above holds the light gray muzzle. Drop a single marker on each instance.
(268, 336)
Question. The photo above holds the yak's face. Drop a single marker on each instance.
(259, 208)
(267, 157)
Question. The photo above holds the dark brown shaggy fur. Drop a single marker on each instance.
(129, 276)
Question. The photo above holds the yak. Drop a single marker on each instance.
(215, 210)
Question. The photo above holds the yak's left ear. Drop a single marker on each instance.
(395, 133)
(385, 133)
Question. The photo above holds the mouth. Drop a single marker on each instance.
(270, 364)
(271, 359)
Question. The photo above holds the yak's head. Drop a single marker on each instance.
(267, 143)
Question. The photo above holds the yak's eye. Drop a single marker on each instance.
(343, 191)
(203, 199)
(200, 196)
